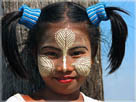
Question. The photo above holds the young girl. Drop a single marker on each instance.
(64, 37)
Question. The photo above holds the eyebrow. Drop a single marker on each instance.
(77, 47)
(51, 47)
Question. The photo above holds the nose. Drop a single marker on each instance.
(65, 64)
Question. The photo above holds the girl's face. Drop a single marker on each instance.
(64, 57)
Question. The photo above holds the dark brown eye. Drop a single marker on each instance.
(51, 55)
(77, 53)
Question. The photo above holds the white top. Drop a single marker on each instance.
(19, 98)
(16, 98)
(89, 99)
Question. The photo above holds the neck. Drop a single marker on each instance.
(48, 94)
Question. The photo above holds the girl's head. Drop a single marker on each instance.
(65, 43)
(61, 39)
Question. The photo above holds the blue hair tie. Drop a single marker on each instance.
(29, 16)
(97, 13)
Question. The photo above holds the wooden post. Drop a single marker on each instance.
(93, 87)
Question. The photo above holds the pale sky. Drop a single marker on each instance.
(119, 87)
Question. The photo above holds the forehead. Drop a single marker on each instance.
(79, 29)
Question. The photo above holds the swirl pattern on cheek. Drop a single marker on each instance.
(82, 66)
(45, 65)
(65, 38)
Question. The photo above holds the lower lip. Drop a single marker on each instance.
(66, 81)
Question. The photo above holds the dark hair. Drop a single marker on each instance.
(57, 12)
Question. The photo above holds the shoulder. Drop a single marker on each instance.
(89, 99)
(21, 98)
(15, 98)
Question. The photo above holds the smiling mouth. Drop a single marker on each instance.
(65, 80)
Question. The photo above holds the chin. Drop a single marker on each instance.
(63, 86)
(66, 89)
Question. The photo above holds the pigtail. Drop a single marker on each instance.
(9, 43)
(119, 35)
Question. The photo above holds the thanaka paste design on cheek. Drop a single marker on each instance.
(45, 65)
(82, 66)
(65, 38)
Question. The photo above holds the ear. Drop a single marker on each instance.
(34, 54)
(94, 54)
(92, 61)
(33, 51)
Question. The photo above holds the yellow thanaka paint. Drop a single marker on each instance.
(65, 38)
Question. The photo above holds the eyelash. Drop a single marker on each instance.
(77, 53)
(51, 55)
(54, 55)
